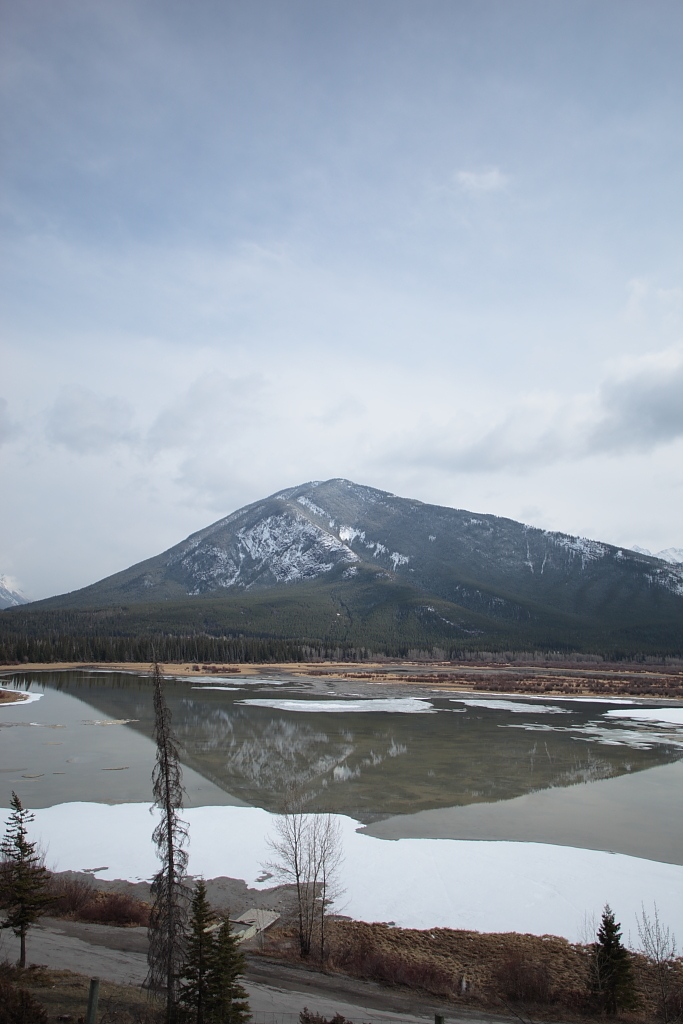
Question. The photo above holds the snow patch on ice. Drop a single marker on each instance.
(418, 883)
(645, 737)
(511, 705)
(216, 687)
(670, 715)
(394, 705)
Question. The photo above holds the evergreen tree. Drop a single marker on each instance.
(229, 1003)
(611, 970)
(23, 886)
(199, 960)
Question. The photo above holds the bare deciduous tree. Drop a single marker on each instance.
(168, 918)
(658, 943)
(308, 853)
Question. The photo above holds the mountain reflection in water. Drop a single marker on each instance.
(370, 766)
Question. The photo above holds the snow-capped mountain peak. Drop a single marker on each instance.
(672, 555)
(10, 595)
(346, 535)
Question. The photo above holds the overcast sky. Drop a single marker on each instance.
(431, 246)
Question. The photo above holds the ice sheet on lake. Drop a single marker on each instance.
(638, 738)
(518, 707)
(395, 705)
(667, 716)
(418, 883)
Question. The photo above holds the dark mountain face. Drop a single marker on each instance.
(340, 531)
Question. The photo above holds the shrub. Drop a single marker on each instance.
(115, 908)
(80, 900)
(70, 895)
(522, 981)
(17, 1006)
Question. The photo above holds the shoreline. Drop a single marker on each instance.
(545, 680)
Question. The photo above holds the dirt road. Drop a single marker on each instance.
(277, 992)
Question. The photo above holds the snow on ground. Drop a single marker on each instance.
(669, 716)
(512, 705)
(419, 883)
(400, 705)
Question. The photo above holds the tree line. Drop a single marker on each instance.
(205, 649)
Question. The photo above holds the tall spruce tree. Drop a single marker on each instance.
(229, 1003)
(611, 969)
(193, 999)
(210, 990)
(168, 917)
(24, 878)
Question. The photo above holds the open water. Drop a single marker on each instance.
(419, 765)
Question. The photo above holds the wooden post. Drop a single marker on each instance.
(93, 996)
(438, 1018)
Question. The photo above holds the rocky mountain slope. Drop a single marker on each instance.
(350, 539)
(9, 595)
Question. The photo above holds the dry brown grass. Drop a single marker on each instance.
(63, 994)
(539, 974)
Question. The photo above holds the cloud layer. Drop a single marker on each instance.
(432, 248)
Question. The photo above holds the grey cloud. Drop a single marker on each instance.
(88, 423)
(636, 413)
(211, 408)
(640, 412)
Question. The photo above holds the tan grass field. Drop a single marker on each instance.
(598, 680)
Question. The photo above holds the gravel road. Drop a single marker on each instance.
(277, 992)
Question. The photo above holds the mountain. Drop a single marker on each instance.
(672, 555)
(343, 561)
(9, 595)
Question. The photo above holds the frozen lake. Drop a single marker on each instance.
(495, 790)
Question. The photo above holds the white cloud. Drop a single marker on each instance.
(492, 180)
(5, 423)
(89, 423)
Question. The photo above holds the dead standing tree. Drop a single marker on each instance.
(168, 918)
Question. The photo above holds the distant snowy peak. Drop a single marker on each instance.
(10, 597)
(672, 555)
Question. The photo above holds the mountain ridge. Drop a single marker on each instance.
(339, 545)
